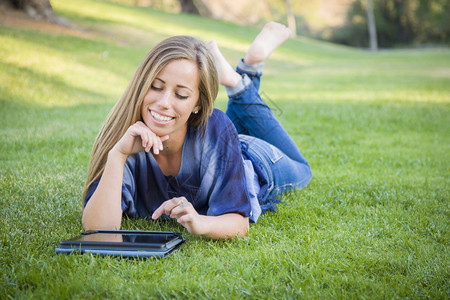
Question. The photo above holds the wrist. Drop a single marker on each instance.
(116, 155)
(204, 227)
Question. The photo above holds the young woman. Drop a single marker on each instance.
(164, 151)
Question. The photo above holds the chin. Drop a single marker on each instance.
(160, 132)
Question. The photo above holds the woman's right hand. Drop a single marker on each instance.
(139, 137)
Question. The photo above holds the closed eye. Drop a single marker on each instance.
(181, 97)
(155, 88)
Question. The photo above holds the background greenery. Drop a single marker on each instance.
(398, 22)
(373, 223)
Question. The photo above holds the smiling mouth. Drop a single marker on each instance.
(159, 117)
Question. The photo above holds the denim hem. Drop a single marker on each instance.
(239, 87)
(255, 70)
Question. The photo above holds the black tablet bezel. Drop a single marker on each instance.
(126, 249)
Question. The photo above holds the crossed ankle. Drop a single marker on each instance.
(254, 69)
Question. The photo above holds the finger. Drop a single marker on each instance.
(137, 130)
(162, 209)
(179, 201)
(185, 219)
(136, 136)
(162, 139)
(157, 145)
(160, 143)
(179, 211)
(166, 207)
(151, 141)
(146, 136)
(149, 138)
(157, 213)
(146, 141)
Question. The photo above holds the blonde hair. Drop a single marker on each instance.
(127, 110)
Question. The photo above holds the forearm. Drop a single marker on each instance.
(224, 226)
(104, 211)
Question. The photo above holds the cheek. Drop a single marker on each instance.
(144, 107)
(187, 107)
(196, 103)
(143, 114)
(147, 101)
(148, 98)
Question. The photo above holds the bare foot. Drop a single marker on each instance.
(271, 36)
(227, 75)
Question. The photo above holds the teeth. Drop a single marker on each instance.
(159, 117)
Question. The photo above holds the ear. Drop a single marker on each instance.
(196, 109)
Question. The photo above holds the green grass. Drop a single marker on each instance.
(373, 223)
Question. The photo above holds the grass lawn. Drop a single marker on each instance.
(373, 222)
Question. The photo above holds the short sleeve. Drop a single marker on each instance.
(128, 192)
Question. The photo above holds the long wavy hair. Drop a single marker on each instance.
(127, 110)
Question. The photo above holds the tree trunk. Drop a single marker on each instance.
(188, 7)
(371, 25)
(39, 10)
(290, 18)
(203, 8)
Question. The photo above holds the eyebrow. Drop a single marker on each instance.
(178, 85)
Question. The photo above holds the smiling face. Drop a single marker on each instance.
(171, 99)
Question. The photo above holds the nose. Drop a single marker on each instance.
(164, 100)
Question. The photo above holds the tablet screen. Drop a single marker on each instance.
(134, 238)
(126, 239)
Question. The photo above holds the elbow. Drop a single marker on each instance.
(246, 227)
(87, 224)
(99, 223)
(243, 229)
(90, 227)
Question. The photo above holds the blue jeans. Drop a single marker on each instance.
(277, 161)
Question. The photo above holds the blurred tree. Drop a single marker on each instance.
(398, 22)
(290, 18)
(195, 7)
(188, 6)
(372, 28)
(38, 10)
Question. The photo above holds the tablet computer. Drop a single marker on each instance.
(126, 243)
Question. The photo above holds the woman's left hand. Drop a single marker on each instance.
(182, 210)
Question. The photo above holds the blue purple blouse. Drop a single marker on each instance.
(213, 176)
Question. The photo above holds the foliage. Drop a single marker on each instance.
(398, 22)
(373, 223)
